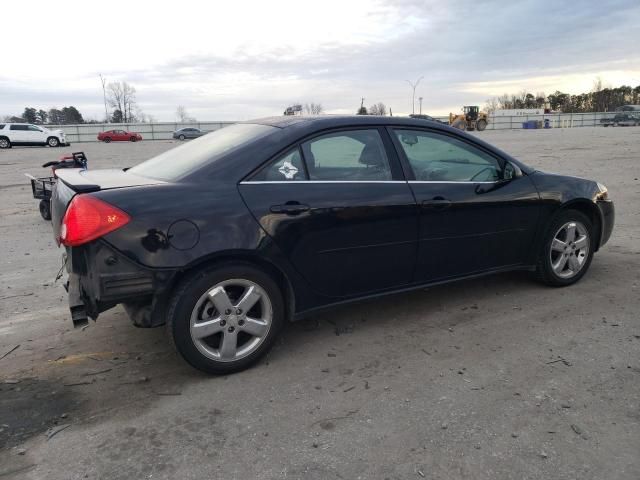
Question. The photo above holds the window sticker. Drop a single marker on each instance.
(288, 170)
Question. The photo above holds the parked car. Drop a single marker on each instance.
(231, 235)
(188, 132)
(626, 119)
(422, 116)
(30, 135)
(119, 136)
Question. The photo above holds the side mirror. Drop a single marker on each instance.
(511, 172)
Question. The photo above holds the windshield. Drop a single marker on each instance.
(180, 161)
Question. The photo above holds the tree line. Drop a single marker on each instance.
(317, 109)
(599, 99)
(120, 96)
(65, 116)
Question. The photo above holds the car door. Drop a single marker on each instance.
(18, 134)
(473, 216)
(35, 134)
(339, 208)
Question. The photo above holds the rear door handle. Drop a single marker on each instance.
(438, 203)
(290, 208)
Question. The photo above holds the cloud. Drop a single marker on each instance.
(466, 51)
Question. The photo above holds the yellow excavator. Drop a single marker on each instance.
(471, 119)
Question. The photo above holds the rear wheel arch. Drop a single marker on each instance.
(246, 258)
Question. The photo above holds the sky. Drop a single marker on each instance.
(242, 59)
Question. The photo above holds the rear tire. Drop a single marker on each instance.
(45, 209)
(53, 142)
(181, 137)
(213, 298)
(565, 257)
(5, 143)
(107, 140)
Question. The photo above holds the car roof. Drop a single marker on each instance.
(329, 121)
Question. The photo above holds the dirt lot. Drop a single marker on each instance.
(498, 378)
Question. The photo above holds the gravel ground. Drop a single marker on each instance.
(498, 378)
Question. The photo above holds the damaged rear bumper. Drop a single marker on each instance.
(100, 278)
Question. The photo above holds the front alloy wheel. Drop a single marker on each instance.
(53, 142)
(225, 318)
(567, 250)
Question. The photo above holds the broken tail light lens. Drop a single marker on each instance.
(88, 218)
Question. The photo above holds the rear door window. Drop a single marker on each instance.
(286, 168)
(351, 155)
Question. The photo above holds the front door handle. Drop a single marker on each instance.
(437, 203)
(290, 208)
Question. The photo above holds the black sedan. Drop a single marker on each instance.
(228, 237)
(188, 132)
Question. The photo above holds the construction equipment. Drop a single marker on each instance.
(471, 119)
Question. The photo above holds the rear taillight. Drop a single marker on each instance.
(88, 218)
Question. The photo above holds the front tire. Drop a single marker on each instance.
(53, 142)
(225, 318)
(567, 249)
(181, 137)
(481, 125)
(133, 139)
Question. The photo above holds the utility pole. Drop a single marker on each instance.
(413, 98)
(104, 97)
(420, 98)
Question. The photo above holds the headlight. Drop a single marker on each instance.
(603, 193)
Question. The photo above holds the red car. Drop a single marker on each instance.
(119, 136)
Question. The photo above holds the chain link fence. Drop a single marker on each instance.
(149, 131)
(164, 130)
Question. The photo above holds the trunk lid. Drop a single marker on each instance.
(74, 181)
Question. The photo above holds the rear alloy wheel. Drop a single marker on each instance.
(5, 143)
(53, 142)
(224, 319)
(568, 249)
(107, 139)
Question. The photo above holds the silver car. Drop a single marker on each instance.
(188, 132)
